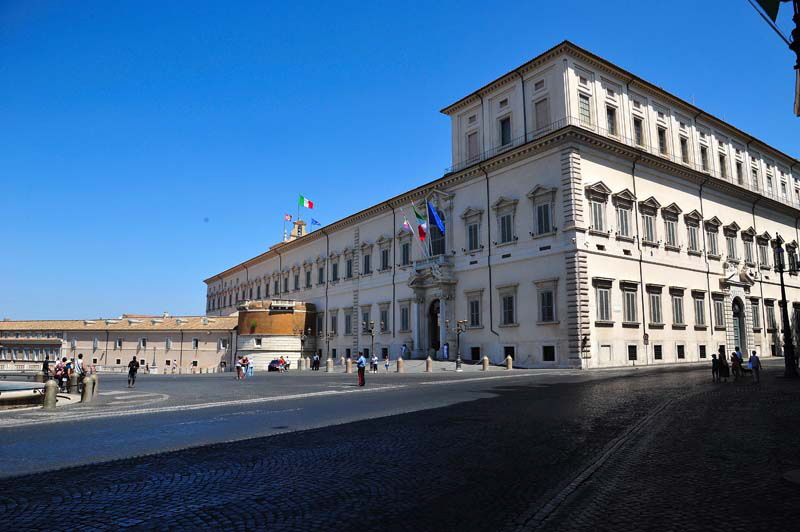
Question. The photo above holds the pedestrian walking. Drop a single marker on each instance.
(80, 371)
(251, 366)
(374, 363)
(69, 369)
(724, 368)
(315, 364)
(46, 368)
(386, 361)
(714, 368)
(239, 368)
(755, 367)
(245, 363)
(403, 350)
(133, 368)
(736, 365)
(59, 373)
(362, 368)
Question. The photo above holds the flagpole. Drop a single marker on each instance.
(430, 229)
(419, 243)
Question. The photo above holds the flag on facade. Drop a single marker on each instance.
(305, 202)
(287, 217)
(314, 222)
(435, 215)
(407, 225)
(422, 225)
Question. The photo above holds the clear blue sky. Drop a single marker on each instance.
(145, 146)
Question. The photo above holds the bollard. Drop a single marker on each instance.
(50, 393)
(509, 362)
(88, 389)
(39, 376)
(329, 365)
(95, 385)
(73, 383)
(307, 363)
(348, 366)
(485, 363)
(401, 365)
(301, 364)
(428, 365)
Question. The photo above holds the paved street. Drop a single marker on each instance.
(644, 450)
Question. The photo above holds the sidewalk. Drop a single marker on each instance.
(714, 460)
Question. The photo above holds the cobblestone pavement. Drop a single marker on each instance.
(484, 465)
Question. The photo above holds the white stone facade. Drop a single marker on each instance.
(592, 220)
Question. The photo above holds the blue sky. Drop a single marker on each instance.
(146, 146)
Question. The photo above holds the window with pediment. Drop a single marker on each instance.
(505, 210)
(763, 250)
(472, 229)
(543, 200)
(671, 214)
(692, 221)
(597, 195)
(712, 232)
(648, 210)
(623, 204)
(748, 238)
(731, 241)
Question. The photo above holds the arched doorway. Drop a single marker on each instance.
(433, 325)
(739, 327)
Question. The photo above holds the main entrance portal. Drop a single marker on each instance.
(739, 327)
(433, 325)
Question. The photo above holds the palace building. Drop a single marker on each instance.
(592, 219)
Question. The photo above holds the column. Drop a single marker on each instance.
(415, 325)
(442, 323)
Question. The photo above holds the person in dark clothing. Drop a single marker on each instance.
(133, 368)
(714, 368)
(724, 368)
(46, 367)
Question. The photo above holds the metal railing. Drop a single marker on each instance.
(729, 175)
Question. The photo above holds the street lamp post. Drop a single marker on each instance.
(789, 369)
(371, 332)
(461, 326)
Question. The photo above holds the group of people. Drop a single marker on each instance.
(245, 367)
(315, 362)
(66, 368)
(721, 370)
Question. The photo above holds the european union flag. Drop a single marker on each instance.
(435, 217)
(314, 222)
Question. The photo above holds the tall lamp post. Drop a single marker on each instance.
(328, 337)
(303, 337)
(371, 332)
(789, 369)
(461, 326)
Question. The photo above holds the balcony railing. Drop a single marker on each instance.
(670, 154)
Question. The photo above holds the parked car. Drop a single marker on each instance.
(277, 365)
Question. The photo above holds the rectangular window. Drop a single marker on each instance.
(404, 319)
(195, 343)
(630, 311)
(548, 353)
(704, 158)
(598, 216)
(334, 323)
(546, 306)
(542, 111)
(662, 140)
(365, 319)
(275, 288)
(702, 351)
(169, 343)
(297, 281)
(648, 228)
(472, 237)
(367, 263)
(474, 312)
(719, 313)
(756, 312)
(118, 343)
(699, 311)
(584, 108)
(730, 244)
(632, 352)
(508, 309)
(623, 221)
(143, 343)
(763, 254)
(603, 296)
(506, 233)
(543, 224)
(771, 323)
(671, 227)
(681, 351)
(384, 323)
(739, 173)
(748, 251)
(694, 241)
(723, 166)
(285, 284)
(657, 352)
(308, 279)
(258, 342)
(655, 307)
(385, 259)
(348, 323)
(677, 309)
(711, 236)
(505, 131)
(611, 120)
(321, 275)
(348, 270)
(405, 253)
(472, 146)
(335, 272)
(754, 178)
(638, 132)
(685, 150)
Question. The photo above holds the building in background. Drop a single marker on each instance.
(269, 329)
(592, 219)
(165, 343)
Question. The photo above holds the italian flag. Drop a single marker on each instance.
(305, 202)
(422, 224)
